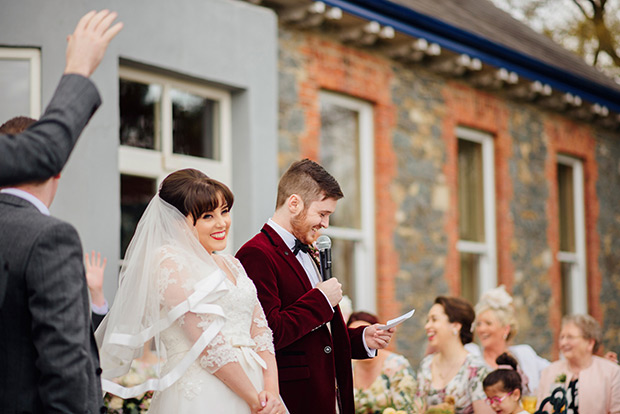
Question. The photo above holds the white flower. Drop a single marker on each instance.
(496, 298)
(116, 403)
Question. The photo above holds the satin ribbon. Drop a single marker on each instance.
(248, 352)
(207, 289)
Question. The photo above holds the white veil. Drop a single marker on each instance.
(138, 315)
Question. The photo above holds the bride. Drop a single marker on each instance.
(200, 308)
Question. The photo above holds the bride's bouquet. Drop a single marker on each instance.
(137, 374)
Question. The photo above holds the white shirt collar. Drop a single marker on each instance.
(284, 234)
(28, 197)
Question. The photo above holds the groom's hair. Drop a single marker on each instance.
(194, 193)
(309, 181)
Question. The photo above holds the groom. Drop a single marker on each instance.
(313, 345)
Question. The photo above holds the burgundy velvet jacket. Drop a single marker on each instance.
(314, 366)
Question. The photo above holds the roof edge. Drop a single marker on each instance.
(416, 24)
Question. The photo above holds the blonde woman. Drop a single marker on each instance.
(495, 327)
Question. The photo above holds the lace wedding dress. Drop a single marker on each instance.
(243, 335)
(172, 294)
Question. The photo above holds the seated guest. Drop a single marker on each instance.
(384, 381)
(503, 387)
(451, 371)
(495, 326)
(592, 383)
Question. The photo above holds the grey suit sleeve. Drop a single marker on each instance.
(58, 302)
(41, 151)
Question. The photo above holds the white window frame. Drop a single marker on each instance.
(578, 280)
(487, 251)
(159, 162)
(34, 57)
(365, 282)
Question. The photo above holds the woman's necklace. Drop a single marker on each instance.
(447, 371)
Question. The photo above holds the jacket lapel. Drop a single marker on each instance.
(287, 255)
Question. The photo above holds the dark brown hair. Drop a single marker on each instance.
(510, 378)
(16, 125)
(362, 316)
(308, 180)
(194, 193)
(460, 311)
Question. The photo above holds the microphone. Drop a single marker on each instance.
(324, 245)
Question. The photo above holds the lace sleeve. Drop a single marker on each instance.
(261, 334)
(176, 283)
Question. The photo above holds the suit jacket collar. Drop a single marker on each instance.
(286, 254)
(16, 201)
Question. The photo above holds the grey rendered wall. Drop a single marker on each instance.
(228, 42)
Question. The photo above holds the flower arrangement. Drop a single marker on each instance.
(446, 407)
(138, 373)
(137, 405)
(395, 395)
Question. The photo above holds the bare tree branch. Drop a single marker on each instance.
(583, 11)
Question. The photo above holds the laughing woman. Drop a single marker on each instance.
(452, 371)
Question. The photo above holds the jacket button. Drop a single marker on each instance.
(327, 349)
(98, 371)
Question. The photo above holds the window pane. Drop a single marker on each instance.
(471, 197)
(140, 114)
(14, 88)
(340, 156)
(470, 272)
(567, 293)
(136, 192)
(343, 265)
(194, 127)
(566, 208)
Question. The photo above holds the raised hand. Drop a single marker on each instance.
(95, 268)
(88, 43)
(332, 290)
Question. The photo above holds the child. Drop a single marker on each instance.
(503, 387)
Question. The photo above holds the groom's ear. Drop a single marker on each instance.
(295, 204)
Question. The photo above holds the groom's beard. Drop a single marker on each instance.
(302, 229)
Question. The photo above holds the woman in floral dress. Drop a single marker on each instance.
(451, 370)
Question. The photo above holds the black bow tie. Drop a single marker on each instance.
(300, 246)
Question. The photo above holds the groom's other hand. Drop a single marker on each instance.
(88, 43)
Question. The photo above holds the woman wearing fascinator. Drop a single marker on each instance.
(199, 308)
(495, 327)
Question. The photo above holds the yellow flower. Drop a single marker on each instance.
(400, 412)
(389, 410)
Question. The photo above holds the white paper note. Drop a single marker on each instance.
(393, 322)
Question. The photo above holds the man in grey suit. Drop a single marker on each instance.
(48, 356)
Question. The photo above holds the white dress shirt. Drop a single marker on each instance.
(28, 197)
